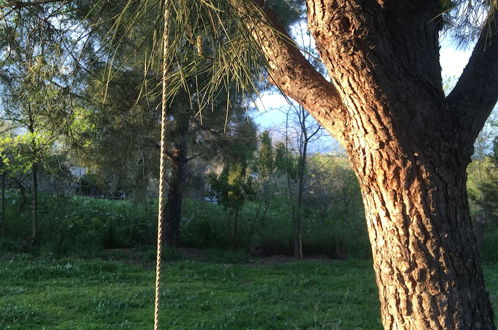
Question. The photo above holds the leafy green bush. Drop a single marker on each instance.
(87, 226)
(489, 251)
(80, 224)
(8, 245)
(205, 225)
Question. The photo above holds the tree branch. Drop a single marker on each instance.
(476, 92)
(22, 4)
(290, 71)
(193, 157)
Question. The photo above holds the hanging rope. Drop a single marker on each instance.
(162, 167)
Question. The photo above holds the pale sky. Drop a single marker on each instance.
(452, 59)
(268, 115)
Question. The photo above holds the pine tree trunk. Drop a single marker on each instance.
(178, 180)
(425, 255)
(176, 195)
(410, 154)
(412, 175)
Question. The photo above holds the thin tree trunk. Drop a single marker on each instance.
(260, 205)
(298, 248)
(34, 177)
(298, 242)
(34, 203)
(295, 219)
(235, 225)
(298, 238)
(2, 208)
(22, 191)
(266, 202)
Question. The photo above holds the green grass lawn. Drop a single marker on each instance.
(41, 293)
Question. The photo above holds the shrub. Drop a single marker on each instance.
(84, 225)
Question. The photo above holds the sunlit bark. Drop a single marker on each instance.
(409, 146)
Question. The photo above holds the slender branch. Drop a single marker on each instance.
(22, 4)
(318, 129)
(476, 92)
(290, 71)
(193, 157)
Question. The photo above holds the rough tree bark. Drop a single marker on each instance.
(409, 144)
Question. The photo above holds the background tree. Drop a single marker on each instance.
(3, 174)
(482, 172)
(306, 131)
(34, 88)
(333, 195)
(265, 169)
(235, 184)
(199, 116)
(487, 195)
(4, 129)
